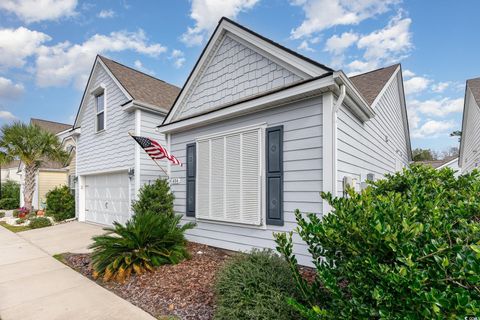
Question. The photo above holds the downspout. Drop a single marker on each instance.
(336, 107)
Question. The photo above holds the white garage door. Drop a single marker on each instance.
(107, 198)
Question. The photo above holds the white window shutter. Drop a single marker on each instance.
(229, 180)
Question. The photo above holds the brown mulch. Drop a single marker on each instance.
(184, 290)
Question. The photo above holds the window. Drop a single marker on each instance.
(100, 106)
(229, 177)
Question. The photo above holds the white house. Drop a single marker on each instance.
(263, 130)
(470, 141)
(10, 171)
(110, 167)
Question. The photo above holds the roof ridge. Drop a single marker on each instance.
(133, 69)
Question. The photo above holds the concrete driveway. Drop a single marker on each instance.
(34, 285)
(66, 237)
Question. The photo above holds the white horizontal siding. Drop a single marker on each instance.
(149, 170)
(374, 146)
(302, 123)
(113, 148)
(471, 136)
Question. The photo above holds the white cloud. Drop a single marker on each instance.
(39, 10)
(60, 64)
(305, 46)
(7, 115)
(18, 44)
(408, 74)
(437, 108)
(104, 14)
(415, 85)
(440, 87)
(10, 90)
(324, 14)
(139, 65)
(434, 129)
(384, 46)
(178, 58)
(337, 44)
(206, 14)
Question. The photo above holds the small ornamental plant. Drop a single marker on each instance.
(406, 247)
(60, 203)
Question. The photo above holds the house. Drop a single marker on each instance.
(110, 166)
(10, 171)
(469, 158)
(448, 162)
(50, 174)
(263, 130)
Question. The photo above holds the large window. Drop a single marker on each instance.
(100, 107)
(229, 177)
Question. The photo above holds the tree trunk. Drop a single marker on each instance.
(30, 172)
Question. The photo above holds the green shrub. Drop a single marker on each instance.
(155, 197)
(20, 221)
(60, 203)
(406, 247)
(15, 213)
(39, 222)
(10, 195)
(144, 242)
(255, 286)
(2, 214)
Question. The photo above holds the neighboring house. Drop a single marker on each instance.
(470, 140)
(110, 166)
(263, 130)
(448, 162)
(50, 174)
(10, 171)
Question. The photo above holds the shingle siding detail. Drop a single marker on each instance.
(233, 73)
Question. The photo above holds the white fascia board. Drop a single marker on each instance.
(448, 163)
(466, 103)
(297, 92)
(135, 104)
(354, 99)
(277, 54)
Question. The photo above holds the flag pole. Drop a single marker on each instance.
(131, 135)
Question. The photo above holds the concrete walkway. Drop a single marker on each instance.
(34, 285)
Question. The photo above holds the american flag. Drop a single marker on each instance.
(155, 149)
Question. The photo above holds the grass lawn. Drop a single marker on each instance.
(14, 228)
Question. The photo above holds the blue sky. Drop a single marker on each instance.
(46, 52)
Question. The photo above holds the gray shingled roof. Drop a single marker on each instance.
(474, 85)
(51, 126)
(371, 83)
(143, 87)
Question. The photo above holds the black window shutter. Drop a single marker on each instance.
(190, 183)
(274, 174)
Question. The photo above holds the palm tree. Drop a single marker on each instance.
(32, 145)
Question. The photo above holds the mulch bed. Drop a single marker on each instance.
(184, 290)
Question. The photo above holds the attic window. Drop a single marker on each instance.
(100, 108)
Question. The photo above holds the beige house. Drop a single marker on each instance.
(51, 174)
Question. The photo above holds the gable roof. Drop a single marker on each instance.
(474, 85)
(371, 83)
(51, 126)
(143, 87)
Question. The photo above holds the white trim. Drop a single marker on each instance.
(446, 164)
(466, 110)
(231, 131)
(135, 104)
(329, 175)
(297, 63)
(105, 171)
(298, 92)
(98, 91)
(138, 126)
(385, 87)
(81, 198)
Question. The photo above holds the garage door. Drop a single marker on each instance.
(107, 198)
